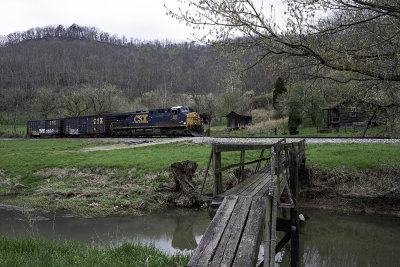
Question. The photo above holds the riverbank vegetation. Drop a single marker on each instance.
(56, 175)
(37, 252)
(362, 178)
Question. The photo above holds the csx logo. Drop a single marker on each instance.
(141, 118)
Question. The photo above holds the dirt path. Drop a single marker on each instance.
(134, 143)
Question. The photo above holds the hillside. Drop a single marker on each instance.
(57, 59)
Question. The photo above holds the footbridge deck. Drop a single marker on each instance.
(247, 213)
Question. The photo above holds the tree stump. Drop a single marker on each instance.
(183, 173)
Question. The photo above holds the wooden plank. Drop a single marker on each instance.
(263, 187)
(263, 192)
(252, 190)
(249, 189)
(238, 147)
(231, 238)
(294, 239)
(267, 232)
(282, 242)
(240, 187)
(273, 227)
(206, 173)
(247, 251)
(230, 166)
(217, 175)
(205, 250)
(241, 167)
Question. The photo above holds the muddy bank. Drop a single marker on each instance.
(97, 191)
(362, 192)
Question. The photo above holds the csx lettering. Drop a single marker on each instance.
(141, 118)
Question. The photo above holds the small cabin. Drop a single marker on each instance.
(236, 120)
(350, 113)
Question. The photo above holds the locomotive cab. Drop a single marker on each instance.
(188, 117)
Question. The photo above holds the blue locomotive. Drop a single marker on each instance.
(175, 121)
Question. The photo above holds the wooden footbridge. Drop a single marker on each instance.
(248, 213)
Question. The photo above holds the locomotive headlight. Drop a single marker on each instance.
(184, 123)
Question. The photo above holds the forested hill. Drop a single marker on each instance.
(70, 57)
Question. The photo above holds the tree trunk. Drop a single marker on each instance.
(369, 122)
(15, 118)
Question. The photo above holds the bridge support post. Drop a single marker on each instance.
(294, 219)
(217, 174)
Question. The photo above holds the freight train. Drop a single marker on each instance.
(175, 121)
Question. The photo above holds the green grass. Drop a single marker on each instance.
(24, 157)
(353, 156)
(36, 252)
(8, 130)
(54, 175)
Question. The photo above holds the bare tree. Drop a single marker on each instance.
(358, 37)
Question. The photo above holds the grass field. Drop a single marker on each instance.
(353, 157)
(54, 175)
(8, 130)
(36, 252)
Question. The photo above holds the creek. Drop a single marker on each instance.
(329, 239)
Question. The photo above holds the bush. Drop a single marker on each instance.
(261, 101)
(294, 120)
(279, 90)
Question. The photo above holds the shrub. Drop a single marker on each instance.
(294, 120)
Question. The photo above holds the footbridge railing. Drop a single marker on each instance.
(248, 213)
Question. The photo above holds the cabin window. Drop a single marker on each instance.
(354, 111)
(160, 111)
(151, 112)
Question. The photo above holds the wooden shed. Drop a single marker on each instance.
(350, 113)
(236, 120)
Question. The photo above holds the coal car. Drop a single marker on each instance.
(45, 127)
(88, 125)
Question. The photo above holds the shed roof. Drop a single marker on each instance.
(333, 105)
(244, 115)
(367, 101)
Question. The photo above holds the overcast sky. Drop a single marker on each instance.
(142, 19)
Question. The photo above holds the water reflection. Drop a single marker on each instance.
(184, 237)
(170, 230)
(333, 239)
(330, 239)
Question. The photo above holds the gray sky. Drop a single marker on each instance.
(143, 19)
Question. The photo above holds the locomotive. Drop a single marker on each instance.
(175, 121)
